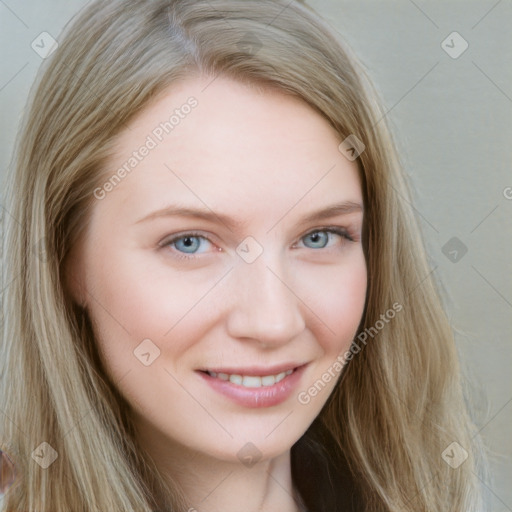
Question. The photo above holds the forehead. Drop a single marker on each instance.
(225, 145)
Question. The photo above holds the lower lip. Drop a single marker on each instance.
(265, 396)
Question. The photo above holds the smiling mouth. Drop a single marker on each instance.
(250, 381)
(255, 386)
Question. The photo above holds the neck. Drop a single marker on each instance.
(212, 485)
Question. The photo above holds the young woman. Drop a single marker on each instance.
(220, 299)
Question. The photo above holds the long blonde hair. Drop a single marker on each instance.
(399, 403)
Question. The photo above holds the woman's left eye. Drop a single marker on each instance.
(321, 236)
(187, 244)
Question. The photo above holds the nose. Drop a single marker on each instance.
(265, 305)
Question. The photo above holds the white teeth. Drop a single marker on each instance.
(268, 380)
(280, 376)
(251, 381)
(236, 379)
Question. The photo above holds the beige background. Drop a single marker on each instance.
(452, 117)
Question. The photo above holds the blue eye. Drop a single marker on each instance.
(321, 236)
(190, 243)
(186, 245)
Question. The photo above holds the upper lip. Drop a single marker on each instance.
(254, 370)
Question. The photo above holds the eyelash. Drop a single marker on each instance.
(182, 256)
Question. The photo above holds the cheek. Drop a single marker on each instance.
(128, 303)
(337, 295)
(135, 302)
(141, 298)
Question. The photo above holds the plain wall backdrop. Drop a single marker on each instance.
(449, 102)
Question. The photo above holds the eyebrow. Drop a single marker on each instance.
(343, 208)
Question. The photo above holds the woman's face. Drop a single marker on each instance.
(252, 286)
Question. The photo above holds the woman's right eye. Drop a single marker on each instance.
(185, 245)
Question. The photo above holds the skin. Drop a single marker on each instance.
(265, 159)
